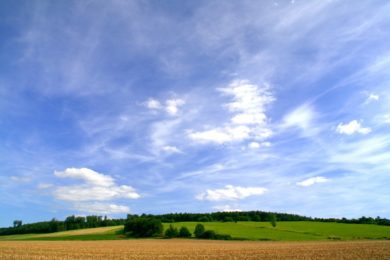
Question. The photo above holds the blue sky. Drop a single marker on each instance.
(115, 107)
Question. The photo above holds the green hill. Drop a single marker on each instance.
(284, 231)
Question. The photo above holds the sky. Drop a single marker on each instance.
(116, 107)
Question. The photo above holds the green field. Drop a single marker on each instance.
(294, 231)
(284, 231)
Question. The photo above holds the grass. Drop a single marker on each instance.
(294, 231)
(102, 233)
(263, 231)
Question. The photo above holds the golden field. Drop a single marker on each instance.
(193, 249)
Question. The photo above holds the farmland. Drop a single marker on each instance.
(289, 240)
(193, 249)
(263, 231)
(295, 230)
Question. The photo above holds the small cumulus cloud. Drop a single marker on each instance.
(373, 97)
(226, 208)
(89, 176)
(171, 106)
(300, 117)
(351, 128)
(254, 145)
(153, 103)
(311, 181)
(101, 208)
(231, 192)
(96, 187)
(171, 149)
(221, 135)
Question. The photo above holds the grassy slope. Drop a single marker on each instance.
(102, 233)
(294, 231)
(284, 231)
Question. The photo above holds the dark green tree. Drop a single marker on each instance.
(143, 227)
(184, 232)
(199, 230)
(273, 220)
(171, 232)
(17, 223)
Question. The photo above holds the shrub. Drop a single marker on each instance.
(223, 237)
(143, 227)
(199, 230)
(184, 232)
(171, 232)
(208, 234)
(273, 220)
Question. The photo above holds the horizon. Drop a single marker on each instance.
(131, 107)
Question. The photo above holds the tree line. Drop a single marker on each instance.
(70, 223)
(79, 222)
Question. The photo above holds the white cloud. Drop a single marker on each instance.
(44, 186)
(172, 106)
(249, 102)
(153, 104)
(386, 119)
(351, 128)
(231, 192)
(311, 181)
(101, 208)
(95, 193)
(222, 135)
(97, 187)
(254, 145)
(373, 97)
(89, 176)
(226, 208)
(171, 149)
(266, 144)
(248, 118)
(301, 117)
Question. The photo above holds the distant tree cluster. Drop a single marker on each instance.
(226, 217)
(70, 223)
(143, 227)
(362, 220)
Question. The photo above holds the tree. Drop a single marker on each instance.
(171, 232)
(17, 223)
(143, 227)
(273, 220)
(199, 230)
(184, 232)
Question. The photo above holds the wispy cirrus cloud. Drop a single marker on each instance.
(248, 120)
(311, 181)
(231, 192)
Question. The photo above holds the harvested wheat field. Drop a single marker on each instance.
(189, 249)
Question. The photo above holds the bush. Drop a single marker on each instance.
(143, 227)
(273, 220)
(199, 230)
(171, 232)
(208, 234)
(184, 232)
(223, 237)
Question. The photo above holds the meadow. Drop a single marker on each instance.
(256, 231)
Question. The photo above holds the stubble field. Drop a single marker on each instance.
(193, 249)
